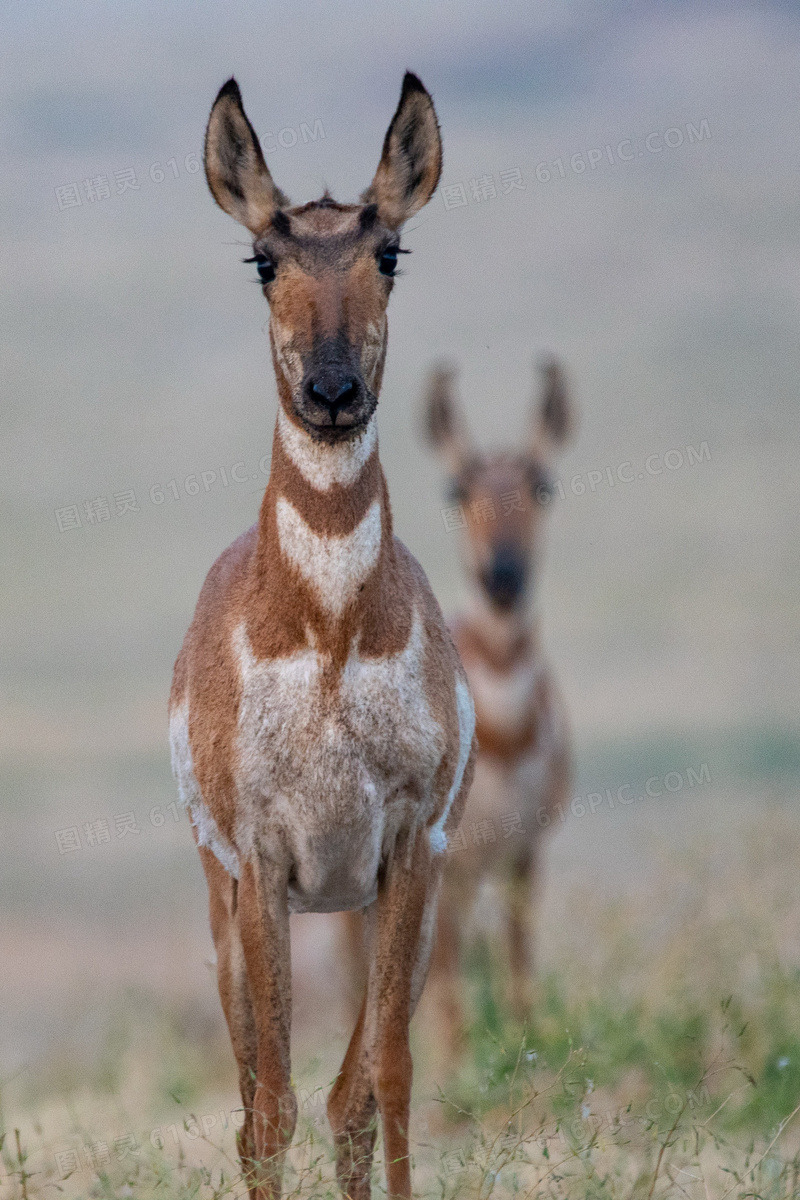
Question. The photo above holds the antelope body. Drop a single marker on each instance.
(523, 765)
(322, 729)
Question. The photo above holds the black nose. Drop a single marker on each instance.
(334, 392)
(505, 578)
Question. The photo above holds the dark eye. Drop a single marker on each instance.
(540, 483)
(264, 265)
(456, 492)
(387, 263)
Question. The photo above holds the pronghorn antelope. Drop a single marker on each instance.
(523, 767)
(321, 725)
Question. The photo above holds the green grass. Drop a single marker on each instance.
(666, 1065)
(605, 1097)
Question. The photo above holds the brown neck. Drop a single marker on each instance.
(325, 551)
(501, 639)
(330, 486)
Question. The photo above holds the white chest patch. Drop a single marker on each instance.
(333, 774)
(334, 566)
(504, 699)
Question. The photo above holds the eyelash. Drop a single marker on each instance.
(265, 266)
(390, 253)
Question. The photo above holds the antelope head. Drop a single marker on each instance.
(504, 496)
(326, 269)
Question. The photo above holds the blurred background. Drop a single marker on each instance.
(620, 189)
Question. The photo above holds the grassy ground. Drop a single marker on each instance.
(662, 1057)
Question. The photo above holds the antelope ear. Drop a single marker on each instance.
(444, 424)
(239, 178)
(553, 413)
(411, 162)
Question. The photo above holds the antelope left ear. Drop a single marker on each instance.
(411, 162)
(554, 413)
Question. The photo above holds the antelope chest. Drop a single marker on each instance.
(504, 699)
(330, 765)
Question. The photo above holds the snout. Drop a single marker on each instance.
(506, 577)
(334, 401)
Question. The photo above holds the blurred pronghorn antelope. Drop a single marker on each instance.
(321, 724)
(523, 766)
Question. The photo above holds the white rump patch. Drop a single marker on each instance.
(335, 566)
(208, 833)
(322, 465)
(466, 731)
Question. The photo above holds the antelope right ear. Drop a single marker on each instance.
(444, 424)
(553, 417)
(411, 162)
(239, 178)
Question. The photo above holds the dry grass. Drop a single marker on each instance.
(666, 1063)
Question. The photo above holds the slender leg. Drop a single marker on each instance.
(445, 984)
(263, 920)
(354, 952)
(234, 992)
(519, 915)
(351, 1112)
(404, 934)
(522, 892)
(377, 1069)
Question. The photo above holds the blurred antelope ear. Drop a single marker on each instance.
(239, 178)
(411, 162)
(554, 413)
(444, 424)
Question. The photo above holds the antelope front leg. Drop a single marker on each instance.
(234, 992)
(264, 929)
(377, 1068)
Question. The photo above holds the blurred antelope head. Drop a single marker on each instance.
(504, 496)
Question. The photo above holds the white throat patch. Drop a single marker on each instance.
(334, 566)
(322, 465)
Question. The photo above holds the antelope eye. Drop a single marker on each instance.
(265, 267)
(540, 483)
(456, 492)
(387, 263)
